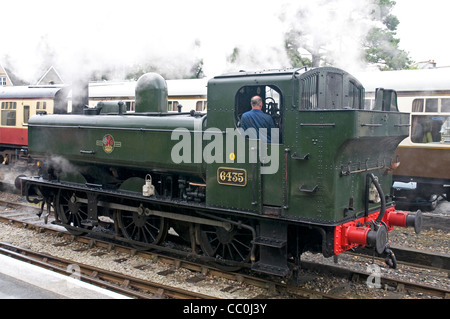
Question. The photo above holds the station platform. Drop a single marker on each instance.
(21, 280)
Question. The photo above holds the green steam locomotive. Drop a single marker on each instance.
(321, 184)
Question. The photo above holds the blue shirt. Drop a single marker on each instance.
(257, 119)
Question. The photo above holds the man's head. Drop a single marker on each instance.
(256, 102)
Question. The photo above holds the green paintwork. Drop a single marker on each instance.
(140, 142)
(345, 145)
(328, 145)
(332, 138)
(151, 93)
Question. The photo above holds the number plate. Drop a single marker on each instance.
(232, 176)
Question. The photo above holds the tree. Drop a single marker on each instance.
(381, 44)
(197, 70)
(338, 30)
(293, 51)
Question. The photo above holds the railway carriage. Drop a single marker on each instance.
(18, 104)
(188, 94)
(322, 185)
(423, 175)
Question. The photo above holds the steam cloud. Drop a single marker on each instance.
(77, 37)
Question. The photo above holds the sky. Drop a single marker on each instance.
(422, 29)
(83, 35)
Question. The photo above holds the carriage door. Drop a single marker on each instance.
(26, 114)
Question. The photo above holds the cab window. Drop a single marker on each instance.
(272, 103)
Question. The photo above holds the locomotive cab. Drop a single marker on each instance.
(329, 167)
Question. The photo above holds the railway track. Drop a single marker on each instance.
(22, 215)
(27, 219)
(395, 284)
(126, 285)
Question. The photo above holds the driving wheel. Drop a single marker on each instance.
(142, 228)
(225, 245)
(71, 211)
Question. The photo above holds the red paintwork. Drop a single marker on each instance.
(350, 235)
(14, 136)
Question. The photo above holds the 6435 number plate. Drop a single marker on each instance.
(231, 176)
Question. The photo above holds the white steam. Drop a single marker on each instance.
(78, 37)
(337, 27)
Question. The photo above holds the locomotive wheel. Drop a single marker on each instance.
(233, 245)
(71, 212)
(146, 229)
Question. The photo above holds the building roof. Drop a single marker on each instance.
(28, 92)
(51, 76)
(3, 72)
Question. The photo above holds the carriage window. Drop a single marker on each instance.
(41, 105)
(445, 106)
(445, 130)
(8, 113)
(430, 129)
(173, 105)
(369, 104)
(199, 106)
(431, 105)
(131, 106)
(417, 105)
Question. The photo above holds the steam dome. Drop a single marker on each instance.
(151, 93)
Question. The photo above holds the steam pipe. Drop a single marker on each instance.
(380, 192)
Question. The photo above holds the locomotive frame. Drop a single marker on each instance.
(324, 187)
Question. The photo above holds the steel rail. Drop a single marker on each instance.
(258, 282)
(113, 281)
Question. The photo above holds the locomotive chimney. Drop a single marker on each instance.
(80, 95)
